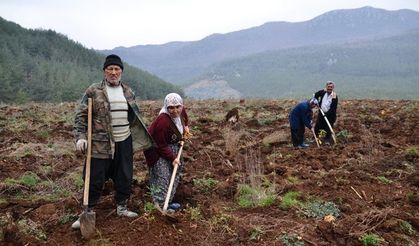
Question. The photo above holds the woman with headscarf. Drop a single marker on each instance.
(167, 131)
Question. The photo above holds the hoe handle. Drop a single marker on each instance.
(328, 124)
(172, 180)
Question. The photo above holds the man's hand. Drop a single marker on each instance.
(81, 145)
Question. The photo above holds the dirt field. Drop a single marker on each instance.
(243, 183)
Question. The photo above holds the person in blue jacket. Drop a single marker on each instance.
(300, 117)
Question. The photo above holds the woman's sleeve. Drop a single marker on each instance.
(161, 136)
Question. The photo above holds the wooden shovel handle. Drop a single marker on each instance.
(328, 124)
(172, 180)
(89, 152)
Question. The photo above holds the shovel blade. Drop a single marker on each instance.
(88, 224)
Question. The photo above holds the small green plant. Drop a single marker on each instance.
(219, 219)
(343, 135)
(194, 213)
(256, 233)
(67, 218)
(371, 239)
(149, 207)
(292, 179)
(153, 190)
(322, 134)
(29, 179)
(318, 209)
(384, 180)
(290, 199)
(205, 185)
(255, 197)
(291, 240)
(413, 197)
(78, 181)
(407, 228)
(411, 153)
(30, 227)
(220, 222)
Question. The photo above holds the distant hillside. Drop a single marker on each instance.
(386, 68)
(180, 62)
(42, 65)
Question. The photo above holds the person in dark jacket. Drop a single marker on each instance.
(117, 131)
(167, 130)
(328, 102)
(300, 117)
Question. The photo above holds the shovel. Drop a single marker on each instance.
(328, 124)
(88, 218)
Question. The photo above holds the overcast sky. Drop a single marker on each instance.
(106, 24)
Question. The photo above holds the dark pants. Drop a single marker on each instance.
(297, 135)
(120, 170)
(321, 124)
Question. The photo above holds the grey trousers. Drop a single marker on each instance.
(160, 175)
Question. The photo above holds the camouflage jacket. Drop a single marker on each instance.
(103, 145)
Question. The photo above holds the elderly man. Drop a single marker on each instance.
(117, 131)
(300, 117)
(328, 101)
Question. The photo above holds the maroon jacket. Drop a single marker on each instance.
(164, 132)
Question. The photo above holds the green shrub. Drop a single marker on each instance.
(194, 213)
(255, 197)
(318, 209)
(412, 152)
(371, 239)
(407, 228)
(29, 179)
(78, 181)
(291, 240)
(149, 207)
(290, 199)
(256, 233)
(205, 185)
(30, 227)
(67, 218)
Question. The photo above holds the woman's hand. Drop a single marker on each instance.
(176, 161)
(186, 133)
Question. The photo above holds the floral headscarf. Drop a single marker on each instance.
(173, 99)
(313, 101)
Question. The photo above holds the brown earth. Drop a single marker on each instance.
(370, 177)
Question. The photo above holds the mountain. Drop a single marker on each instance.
(385, 68)
(181, 62)
(42, 65)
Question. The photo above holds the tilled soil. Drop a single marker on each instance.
(369, 178)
